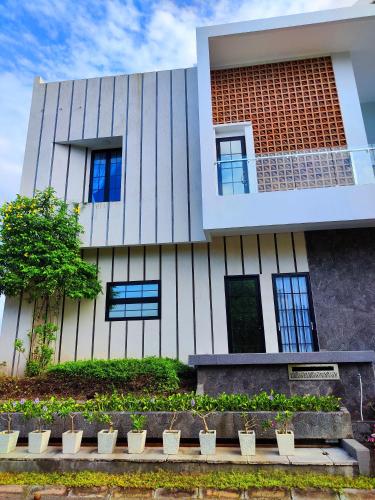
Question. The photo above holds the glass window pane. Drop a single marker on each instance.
(236, 147)
(131, 300)
(225, 148)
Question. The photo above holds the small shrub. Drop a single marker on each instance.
(138, 422)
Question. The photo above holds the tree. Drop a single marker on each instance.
(40, 260)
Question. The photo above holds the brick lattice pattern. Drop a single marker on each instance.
(293, 106)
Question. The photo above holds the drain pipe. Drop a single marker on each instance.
(361, 395)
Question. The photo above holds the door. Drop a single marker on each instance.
(244, 314)
(232, 166)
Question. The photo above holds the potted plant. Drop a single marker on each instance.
(284, 435)
(171, 438)
(106, 437)
(247, 436)
(137, 434)
(207, 437)
(8, 437)
(72, 438)
(42, 412)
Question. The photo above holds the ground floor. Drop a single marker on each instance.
(285, 292)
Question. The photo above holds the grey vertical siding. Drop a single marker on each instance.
(193, 313)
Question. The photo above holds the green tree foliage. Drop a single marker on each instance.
(40, 260)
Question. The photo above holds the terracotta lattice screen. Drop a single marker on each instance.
(292, 106)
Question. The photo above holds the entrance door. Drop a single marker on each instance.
(244, 314)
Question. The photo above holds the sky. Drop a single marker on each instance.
(67, 39)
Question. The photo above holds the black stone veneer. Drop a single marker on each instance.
(342, 274)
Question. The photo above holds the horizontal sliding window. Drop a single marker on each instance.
(105, 182)
(133, 300)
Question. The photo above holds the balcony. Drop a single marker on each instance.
(305, 190)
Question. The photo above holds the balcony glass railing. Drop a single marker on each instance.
(300, 170)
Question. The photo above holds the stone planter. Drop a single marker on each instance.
(136, 441)
(38, 441)
(71, 442)
(107, 441)
(207, 442)
(171, 442)
(8, 441)
(247, 442)
(285, 442)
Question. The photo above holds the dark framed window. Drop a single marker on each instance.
(132, 300)
(232, 166)
(294, 313)
(105, 180)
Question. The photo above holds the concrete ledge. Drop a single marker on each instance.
(282, 358)
(360, 453)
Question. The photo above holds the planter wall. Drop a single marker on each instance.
(307, 425)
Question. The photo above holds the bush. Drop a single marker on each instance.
(151, 374)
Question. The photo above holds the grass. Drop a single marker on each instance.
(164, 479)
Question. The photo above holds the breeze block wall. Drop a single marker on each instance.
(292, 106)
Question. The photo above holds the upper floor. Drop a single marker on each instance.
(271, 131)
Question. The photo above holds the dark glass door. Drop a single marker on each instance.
(244, 314)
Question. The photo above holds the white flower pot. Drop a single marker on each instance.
(71, 442)
(107, 441)
(285, 442)
(38, 441)
(247, 442)
(171, 442)
(136, 441)
(8, 441)
(207, 441)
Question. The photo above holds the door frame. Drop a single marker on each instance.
(243, 277)
(311, 306)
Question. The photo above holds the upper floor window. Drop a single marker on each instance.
(105, 181)
(232, 166)
(133, 300)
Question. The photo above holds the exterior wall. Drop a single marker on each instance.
(368, 110)
(154, 116)
(292, 105)
(342, 270)
(193, 314)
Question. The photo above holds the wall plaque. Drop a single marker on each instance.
(314, 372)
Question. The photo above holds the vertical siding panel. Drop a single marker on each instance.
(179, 156)
(219, 316)
(195, 188)
(164, 187)
(99, 224)
(132, 186)
(301, 254)
(92, 108)
(152, 327)
(134, 343)
(250, 254)
(234, 262)
(86, 317)
(185, 302)
(202, 299)
(33, 135)
(9, 331)
(68, 331)
(148, 201)
(269, 266)
(168, 301)
(63, 115)
(85, 220)
(119, 111)
(46, 142)
(78, 110)
(117, 209)
(76, 175)
(118, 328)
(105, 107)
(59, 169)
(285, 252)
(101, 331)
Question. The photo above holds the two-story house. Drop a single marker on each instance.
(229, 207)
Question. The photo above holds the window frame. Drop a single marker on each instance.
(108, 153)
(314, 333)
(136, 300)
(245, 169)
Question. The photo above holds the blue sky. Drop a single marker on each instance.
(65, 39)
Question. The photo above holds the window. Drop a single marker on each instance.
(133, 300)
(294, 313)
(232, 166)
(105, 182)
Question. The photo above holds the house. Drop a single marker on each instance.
(229, 207)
